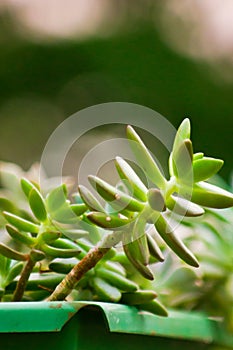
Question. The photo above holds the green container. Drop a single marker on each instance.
(87, 325)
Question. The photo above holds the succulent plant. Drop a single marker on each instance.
(184, 193)
(66, 249)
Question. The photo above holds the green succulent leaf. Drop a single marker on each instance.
(63, 266)
(155, 307)
(116, 280)
(59, 252)
(145, 159)
(174, 242)
(154, 248)
(105, 291)
(37, 204)
(56, 198)
(115, 266)
(182, 162)
(21, 237)
(12, 253)
(107, 221)
(38, 281)
(78, 209)
(127, 173)
(208, 195)
(139, 240)
(138, 297)
(89, 199)
(134, 255)
(182, 133)
(182, 206)
(21, 224)
(198, 155)
(65, 243)
(206, 167)
(118, 199)
(27, 186)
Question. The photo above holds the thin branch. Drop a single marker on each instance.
(86, 264)
(69, 282)
(22, 282)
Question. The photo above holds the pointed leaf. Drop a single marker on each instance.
(89, 199)
(212, 196)
(145, 159)
(27, 186)
(131, 251)
(182, 162)
(20, 237)
(37, 205)
(20, 223)
(127, 173)
(59, 252)
(154, 307)
(154, 248)
(11, 253)
(118, 199)
(206, 167)
(107, 220)
(182, 133)
(140, 240)
(182, 206)
(174, 242)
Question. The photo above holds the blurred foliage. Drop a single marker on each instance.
(43, 82)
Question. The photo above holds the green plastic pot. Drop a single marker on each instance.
(87, 325)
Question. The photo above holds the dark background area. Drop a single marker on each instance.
(44, 80)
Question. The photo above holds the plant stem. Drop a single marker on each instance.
(84, 265)
(72, 278)
(22, 282)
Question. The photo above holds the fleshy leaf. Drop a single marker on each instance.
(145, 159)
(206, 167)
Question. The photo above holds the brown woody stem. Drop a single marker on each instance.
(86, 264)
(22, 282)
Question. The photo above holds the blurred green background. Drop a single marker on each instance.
(57, 57)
